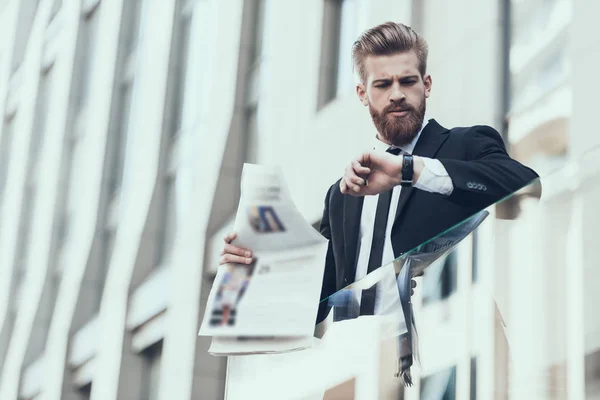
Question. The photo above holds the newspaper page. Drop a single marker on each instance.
(277, 295)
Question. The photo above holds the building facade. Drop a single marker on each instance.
(125, 127)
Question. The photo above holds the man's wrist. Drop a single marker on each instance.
(418, 166)
(397, 176)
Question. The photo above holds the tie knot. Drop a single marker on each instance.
(394, 150)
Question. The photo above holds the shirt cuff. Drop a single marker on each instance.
(434, 178)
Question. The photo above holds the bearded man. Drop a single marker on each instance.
(419, 180)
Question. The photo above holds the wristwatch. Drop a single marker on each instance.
(407, 170)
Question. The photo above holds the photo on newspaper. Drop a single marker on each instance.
(276, 295)
(264, 219)
(230, 292)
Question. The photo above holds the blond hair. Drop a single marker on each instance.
(387, 39)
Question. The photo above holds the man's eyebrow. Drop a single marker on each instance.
(384, 80)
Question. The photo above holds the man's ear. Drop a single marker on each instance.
(361, 91)
(427, 82)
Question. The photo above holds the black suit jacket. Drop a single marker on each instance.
(482, 173)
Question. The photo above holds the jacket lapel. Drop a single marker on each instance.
(352, 212)
(432, 137)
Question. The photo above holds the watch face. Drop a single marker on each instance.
(407, 170)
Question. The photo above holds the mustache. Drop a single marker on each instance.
(397, 108)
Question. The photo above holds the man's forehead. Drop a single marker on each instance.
(400, 64)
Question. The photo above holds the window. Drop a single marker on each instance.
(56, 6)
(252, 132)
(537, 98)
(5, 146)
(168, 221)
(117, 138)
(172, 128)
(26, 220)
(332, 15)
(255, 52)
(151, 372)
(339, 33)
(417, 15)
(473, 382)
(119, 131)
(257, 33)
(35, 145)
(592, 374)
(439, 386)
(39, 123)
(173, 119)
(84, 59)
(86, 391)
(27, 11)
(178, 67)
(119, 135)
(132, 17)
(439, 281)
(348, 35)
(75, 128)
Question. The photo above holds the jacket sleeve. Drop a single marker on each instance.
(329, 286)
(488, 174)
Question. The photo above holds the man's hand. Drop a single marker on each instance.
(375, 172)
(233, 254)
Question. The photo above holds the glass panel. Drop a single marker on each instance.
(523, 328)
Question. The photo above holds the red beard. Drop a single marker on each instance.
(395, 130)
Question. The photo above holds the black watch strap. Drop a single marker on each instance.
(407, 170)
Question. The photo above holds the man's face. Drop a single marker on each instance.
(395, 93)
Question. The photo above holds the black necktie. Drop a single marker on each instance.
(367, 303)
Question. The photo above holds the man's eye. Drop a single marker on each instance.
(409, 82)
(382, 85)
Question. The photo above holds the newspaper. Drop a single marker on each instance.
(413, 264)
(272, 303)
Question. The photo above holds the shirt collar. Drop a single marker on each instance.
(381, 146)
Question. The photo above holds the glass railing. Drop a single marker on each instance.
(504, 307)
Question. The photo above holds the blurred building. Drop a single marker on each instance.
(126, 124)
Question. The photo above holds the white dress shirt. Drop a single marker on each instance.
(434, 178)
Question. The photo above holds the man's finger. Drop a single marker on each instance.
(230, 237)
(358, 181)
(343, 187)
(352, 185)
(237, 251)
(365, 159)
(230, 258)
(359, 169)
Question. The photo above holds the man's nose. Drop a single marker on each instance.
(397, 95)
